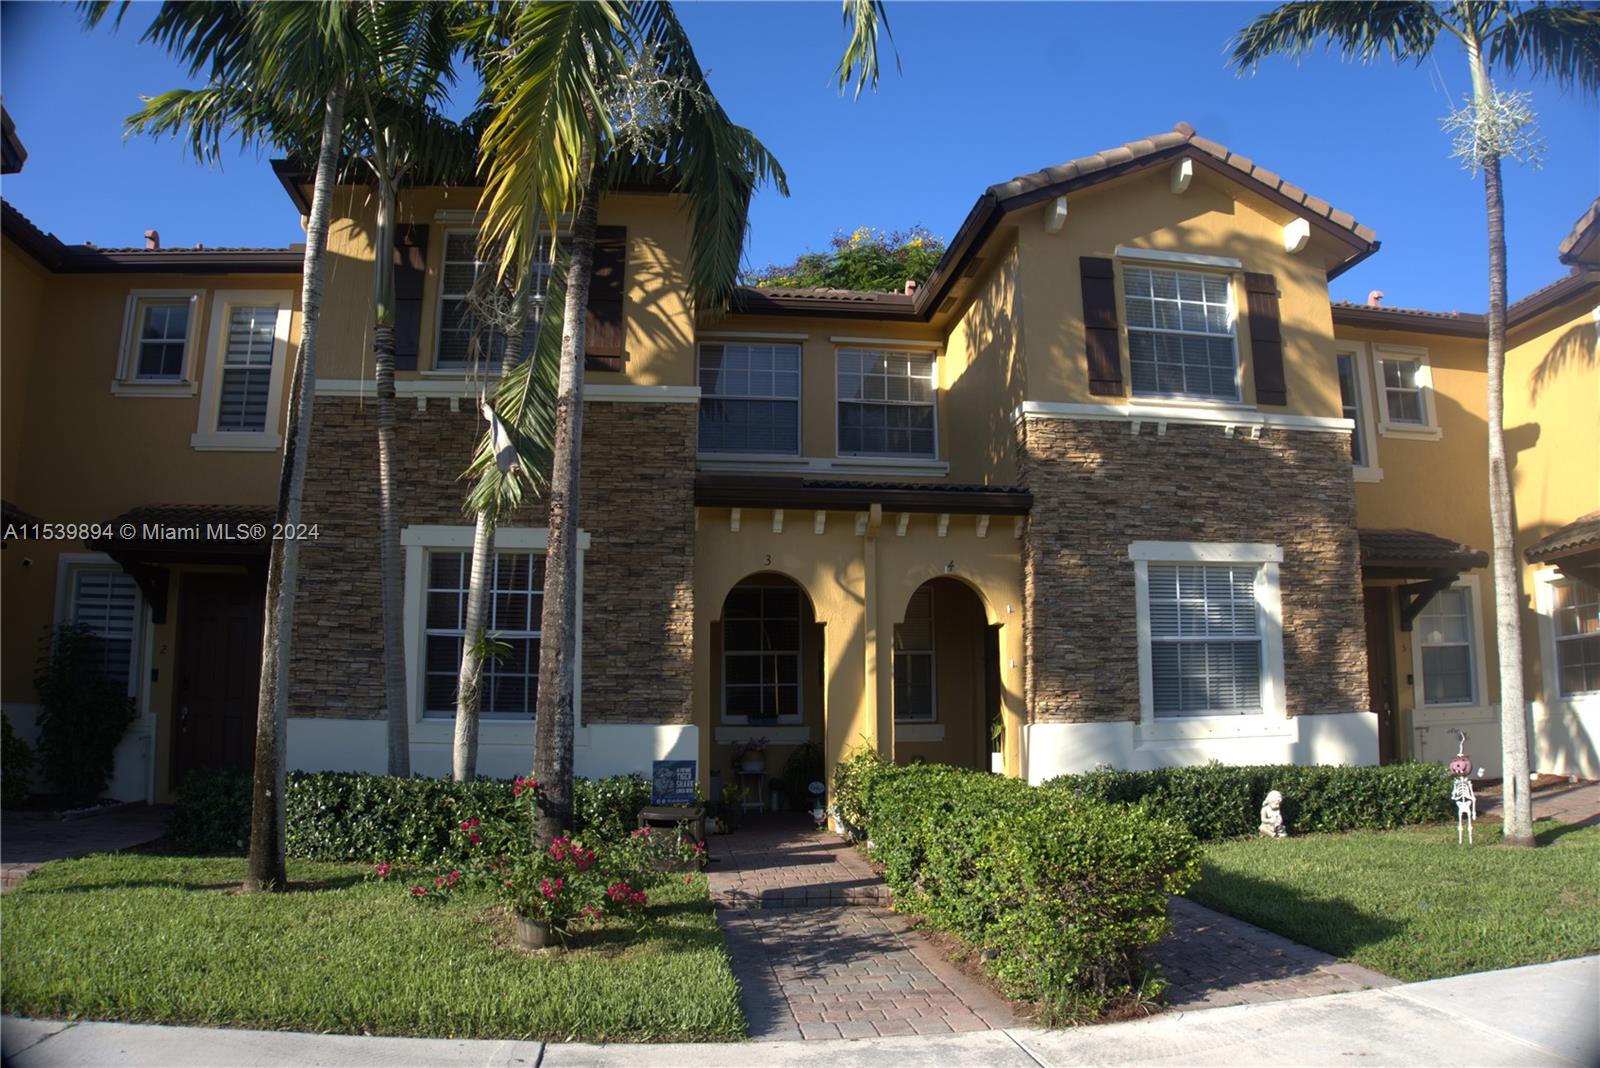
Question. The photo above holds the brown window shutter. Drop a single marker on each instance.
(410, 267)
(603, 334)
(1101, 343)
(1266, 338)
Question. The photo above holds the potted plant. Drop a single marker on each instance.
(751, 755)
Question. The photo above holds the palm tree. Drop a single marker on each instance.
(400, 136)
(583, 94)
(1560, 42)
(272, 70)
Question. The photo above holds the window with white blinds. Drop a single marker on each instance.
(463, 338)
(106, 600)
(510, 681)
(1205, 639)
(246, 386)
(1180, 333)
(1444, 633)
(750, 398)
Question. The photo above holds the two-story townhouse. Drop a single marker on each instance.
(1414, 383)
(143, 394)
(1117, 485)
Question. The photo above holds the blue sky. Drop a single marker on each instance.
(987, 91)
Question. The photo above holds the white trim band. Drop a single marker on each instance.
(1200, 415)
(888, 343)
(462, 387)
(1125, 252)
(741, 335)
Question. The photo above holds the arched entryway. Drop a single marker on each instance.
(946, 678)
(766, 682)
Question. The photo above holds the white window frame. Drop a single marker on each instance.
(932, 653)
(127, 382)
(862, 345)
(1366, 425)
(207, 438)
(724, 719)
(417, 541)
(1273, 718)
(67, 567)
(1480, 681)
(732, 455)
(1198, 265)
(489, 368)
(1544, 582)
(1428, 429)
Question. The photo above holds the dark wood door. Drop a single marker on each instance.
(218, 673)
(1380, 668)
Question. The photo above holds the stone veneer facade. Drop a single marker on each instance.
(1097, 488)
(636, 503)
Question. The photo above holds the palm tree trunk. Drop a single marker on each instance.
(1517, 803)
(267, 869)
(553, 724)
(389, 558)
(469, 684)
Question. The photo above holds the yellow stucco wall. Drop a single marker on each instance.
(1212, 218)
(25, 283)
(858, 587)
(983, 375)
(656, 312)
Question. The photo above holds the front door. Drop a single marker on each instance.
(1380, 668)
(218, 673)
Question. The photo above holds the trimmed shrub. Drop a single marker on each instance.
(83, 712)
(16, 766)
(1059, 893)
(1218, 801)
(339, 815)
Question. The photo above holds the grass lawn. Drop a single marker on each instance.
(170, 940)
(1412, 904)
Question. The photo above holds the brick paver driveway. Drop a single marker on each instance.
(29, 839)
(816, 952)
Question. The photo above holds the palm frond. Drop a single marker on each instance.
(1556, 42)
(862, 20)
(543, 69)
(203, 120)
(1355, 29)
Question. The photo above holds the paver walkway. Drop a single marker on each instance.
(29, 839)
(818, 955)
(1574, 803)
(1211, 960)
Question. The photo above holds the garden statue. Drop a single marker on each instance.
(1461, 790)
(1272, 825)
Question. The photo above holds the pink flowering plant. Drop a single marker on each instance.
(566, 883)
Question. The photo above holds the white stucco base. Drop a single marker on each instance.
(1051, 749)
(1566, 737)
(601, 750)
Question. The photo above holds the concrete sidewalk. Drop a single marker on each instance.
(1546, 1014)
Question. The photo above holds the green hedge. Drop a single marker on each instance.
(355, 816)
(1217, 801)
(1058, 893)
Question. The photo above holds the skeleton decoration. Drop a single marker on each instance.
(1272, 825)
(1461, 790)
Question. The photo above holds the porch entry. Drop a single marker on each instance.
(218, 672)
(946, 678)
(1375, 602)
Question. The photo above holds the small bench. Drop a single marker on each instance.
(670, 816)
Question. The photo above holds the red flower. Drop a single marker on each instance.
(467, 825)
(475, 837)
(418, 891)
(382, 870)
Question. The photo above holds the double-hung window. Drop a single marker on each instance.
(510, 680)
(1350, 401)
(750, 398)
(1444, 636)
(246, 358)
(158, 343)
(761, 631)
(1205, 639)
(886, 403)
(106, 601)
(1405, 391)
(913, 661)
(1576, 616)
(465, 335)
(1181, 339)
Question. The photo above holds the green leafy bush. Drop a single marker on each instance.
(1058, 892)
(1217, 801)
(16, 766)
(339, 815)
(83, 711)
(804, 767)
